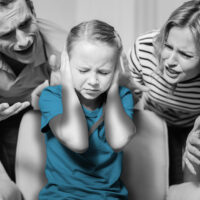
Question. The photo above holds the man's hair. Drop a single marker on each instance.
(28, 2)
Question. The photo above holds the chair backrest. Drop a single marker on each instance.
(145, 166)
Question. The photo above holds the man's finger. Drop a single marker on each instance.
(11, 109)
(52, 63)
(22, 107)
(37, 91)
(3, 106)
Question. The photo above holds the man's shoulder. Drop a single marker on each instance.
(53, 35)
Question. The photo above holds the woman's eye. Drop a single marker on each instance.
(168, 46)
(186, 55)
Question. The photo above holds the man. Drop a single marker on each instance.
(24, 51)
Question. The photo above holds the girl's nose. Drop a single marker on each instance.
(93, 80)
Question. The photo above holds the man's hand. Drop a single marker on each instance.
(35, 95)
(8, 189)
(192, 150)
(7, 111)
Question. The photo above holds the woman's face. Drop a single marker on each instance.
(180, 56)
(92, 66)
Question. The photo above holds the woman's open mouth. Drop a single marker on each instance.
(171, 73)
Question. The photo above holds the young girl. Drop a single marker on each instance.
(87, 118)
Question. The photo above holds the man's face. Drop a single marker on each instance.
(19, 34)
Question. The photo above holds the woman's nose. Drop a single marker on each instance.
(172, 58)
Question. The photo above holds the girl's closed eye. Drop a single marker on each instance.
(102, 72)
(83, 70)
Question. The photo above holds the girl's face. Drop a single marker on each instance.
(180, 56)
(92, 66)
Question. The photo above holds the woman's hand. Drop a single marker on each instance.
(192, 150)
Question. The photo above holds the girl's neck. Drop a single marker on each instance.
(90, 104)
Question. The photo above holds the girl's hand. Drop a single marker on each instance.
(60, 75)
(192, 150)
(124, 76)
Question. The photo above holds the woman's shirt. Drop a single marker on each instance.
(94, 174)
(178, 105)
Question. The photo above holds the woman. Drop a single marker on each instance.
(168, 63)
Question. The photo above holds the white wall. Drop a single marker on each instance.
(129, 17)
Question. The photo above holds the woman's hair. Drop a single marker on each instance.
(94, 30)
(187, 15)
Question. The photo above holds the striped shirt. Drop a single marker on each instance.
(179, 105)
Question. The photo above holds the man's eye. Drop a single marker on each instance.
(7, 35)
(25, 24)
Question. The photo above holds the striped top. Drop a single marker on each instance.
(179, 105)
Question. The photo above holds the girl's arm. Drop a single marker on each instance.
(118, 125)
(70, 127)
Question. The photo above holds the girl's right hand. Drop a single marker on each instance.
(60, 74)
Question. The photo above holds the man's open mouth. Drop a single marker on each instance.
(27, 50)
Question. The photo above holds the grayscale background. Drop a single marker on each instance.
(129, 17)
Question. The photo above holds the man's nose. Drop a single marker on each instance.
(22, 40)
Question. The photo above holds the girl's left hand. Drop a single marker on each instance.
(123, 76)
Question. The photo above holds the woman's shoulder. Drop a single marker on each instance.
(149, 35)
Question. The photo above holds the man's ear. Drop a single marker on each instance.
(30, 5)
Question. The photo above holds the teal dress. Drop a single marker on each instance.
(93, 175)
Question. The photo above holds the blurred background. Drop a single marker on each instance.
(129, 17)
